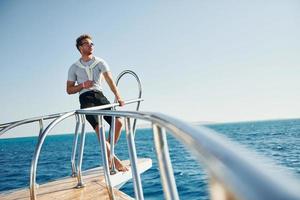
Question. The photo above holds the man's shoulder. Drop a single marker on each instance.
(99, 60)
(73, 67)
(75, 64)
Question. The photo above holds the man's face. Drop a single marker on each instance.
(86, 47)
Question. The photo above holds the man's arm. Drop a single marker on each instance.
(72, 88)
(111, 83)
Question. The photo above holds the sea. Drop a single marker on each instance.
(278, 140)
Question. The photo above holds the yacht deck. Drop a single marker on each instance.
(65, 188)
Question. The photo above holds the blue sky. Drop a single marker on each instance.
(217, 61)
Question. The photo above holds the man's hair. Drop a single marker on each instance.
(80, 38)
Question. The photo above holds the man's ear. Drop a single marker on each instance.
(80, 49)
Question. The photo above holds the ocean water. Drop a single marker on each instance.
(278, 140)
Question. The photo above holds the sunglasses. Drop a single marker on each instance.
(87, 43)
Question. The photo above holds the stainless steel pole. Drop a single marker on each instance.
(74, 148)
(102, 141)
(138, 190)
(112, 145)
(41, 123)
(164, 162)
(79, 175)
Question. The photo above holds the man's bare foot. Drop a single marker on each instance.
(119, 166)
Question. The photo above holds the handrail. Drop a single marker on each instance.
(38, 149)
(32, 119)
(46, 132)
(10, 125)
(112, 127)
(7, 126)
(235, 172)
(232, 170)
(140, 90)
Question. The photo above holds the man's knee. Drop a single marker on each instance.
(119, 122)
(96, 128)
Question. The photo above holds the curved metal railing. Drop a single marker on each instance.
(7, 126)
(112, 128)
(129, 72)
(234, 172)
(44, 134)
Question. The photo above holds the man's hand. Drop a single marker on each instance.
(87, 84)
(121, 102)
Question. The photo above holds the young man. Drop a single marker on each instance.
(85, 77)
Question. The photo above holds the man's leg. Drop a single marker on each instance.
(118, 163)
(118, 130)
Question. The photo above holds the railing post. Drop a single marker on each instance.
(79, 175)
(103, 148)
(41, 123)
(36, 154)
(164, 162)
(112, 145)
(137, 109)
(140, 92)
(138, 190)
(74, 148)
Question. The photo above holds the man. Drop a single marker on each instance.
(85, 77)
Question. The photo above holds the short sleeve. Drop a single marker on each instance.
(104, 66)
(72, 74)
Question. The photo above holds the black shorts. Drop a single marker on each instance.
(91, 99)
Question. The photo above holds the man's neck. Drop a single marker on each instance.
(87, 58)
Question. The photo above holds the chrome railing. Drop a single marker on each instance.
(7, 126)
(234, 172)
(112, 128)
(129, 72)
(47, 130)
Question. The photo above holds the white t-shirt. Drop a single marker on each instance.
(79, 75)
